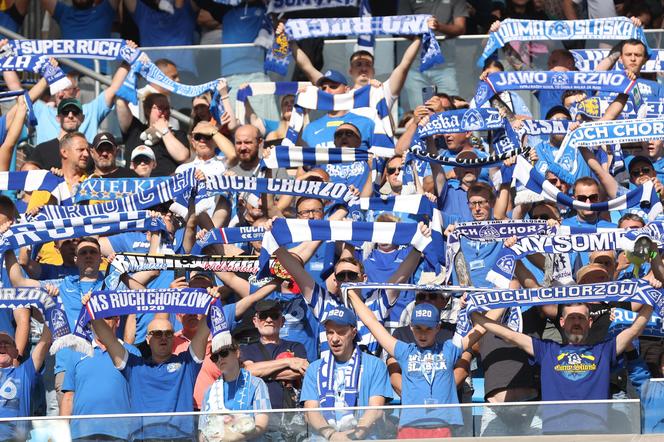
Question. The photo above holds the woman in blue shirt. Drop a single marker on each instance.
(236, 389)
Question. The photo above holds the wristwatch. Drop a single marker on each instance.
(165, 130)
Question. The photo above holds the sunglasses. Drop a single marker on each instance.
(70, 110)
(641, 171)
(141, 159)
(346, 133)
(592, 198)
(221, 354)
(541, 217)
(347, 276)
(426, 296)
(393, 170)
(161, 334)
(105, 147)
(269, 314)
(202, 137)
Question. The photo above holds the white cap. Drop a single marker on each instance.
(143, 150)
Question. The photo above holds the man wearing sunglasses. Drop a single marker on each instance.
(103, 152)
(280, 363)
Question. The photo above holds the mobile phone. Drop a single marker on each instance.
(179, 273)
(428, 92)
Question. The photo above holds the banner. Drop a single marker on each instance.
(138, 262)
(106, 189)
(461, 120)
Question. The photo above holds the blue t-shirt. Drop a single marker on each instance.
(546, 153)
(49, 128)
(428, 378)
(93, 22)
(241, 25)
(160, 28)
(453, 202)
(374, 381)
(300, 324)
(320, 132)
(165, 387)
(8, 22)
(548, 99)
(16, 384)
(50, 271)
(99, 388)
(480, 258)
(571, 373)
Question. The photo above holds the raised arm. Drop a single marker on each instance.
(245, 303)
(14, 132)
(124, 114)
(15, 274)
(408, 266)
(40, 351)
(605, 178)
(295, 268)
(105, 334)
(522, 341)
(116, 81)
(130, 5)
(399, 74)
(200, 339)
(384, 338)
(625, 337)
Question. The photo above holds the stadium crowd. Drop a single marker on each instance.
(299, 338)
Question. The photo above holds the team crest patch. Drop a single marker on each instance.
(558, 31)
(472, 120)
(559, 79)
(506, 264)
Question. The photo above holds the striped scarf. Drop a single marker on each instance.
(37, 180)
(278, 88)
(588, 59)
(373, 98)
(296, 156)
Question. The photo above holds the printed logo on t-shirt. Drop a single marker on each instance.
(345, 170)
(575, 366)
(173, 367)
(9, 393)
(426, 363)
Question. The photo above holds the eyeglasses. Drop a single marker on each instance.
(161, 334)
(141, 159)
(593, 198)
(345, 133)
(347, 276)
(214, 357)
(641, 171)
(105, 147)
(426, 296)
(309, 212)
(478, 204)
(393, 170)
(542, 216)
(269, 314)
(70, 110)
(202, 137)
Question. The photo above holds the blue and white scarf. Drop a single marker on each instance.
(11, 96)
(177, 188)
(596, 133)
(138, 262)
(294, 230)
(498, 82)
(588, 59)
(39, 232)
(365, 98)
(328, 395)
(54, 76)
(461, 120)
(615, 28)
(106, 189)
(299, 29)
(51, 309)
(316, 189)
(544, 127)
(296, 156)
(282, 6)
(278, 88)
(231, 235)
(490, 160)
(37, 180)
(643, 196)
(625, 318)
(411, 204)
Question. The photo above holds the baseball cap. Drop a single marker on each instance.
(143, 150)
(104, 138)
(342, 316)
(585, 272)
(266, 305)
(70, 102)
(639, 159)
(348, 123)
(334, 76)
(426, 315)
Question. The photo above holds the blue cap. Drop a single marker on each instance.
(332, 75)
(342, 316)
(426, 315)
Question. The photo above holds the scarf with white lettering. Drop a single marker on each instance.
(588, 59)
(39, 232)
(329, 386)
(367, 98)
(138, 262)
(283, 6)
(616, 291)
(491, 160)
(286, 231)
(37, 180)
(54, 75)
(107, 303)
(107, 189)
(177, 189)
(595, 133)
(643, 196)
(299, 29)
(498, 82)
(461, 120)
(296, 156)
(544, 127)
(231, 235)
(278, 88)
(51, 310)
(623, 319)
(615, 28)
(316, 189)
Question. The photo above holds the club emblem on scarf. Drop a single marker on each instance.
(506, 264)
(472, 120)
(559, 79)
(558, 31)
(489, 233)
(58, 321)
(218, 319)
(482, 93)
